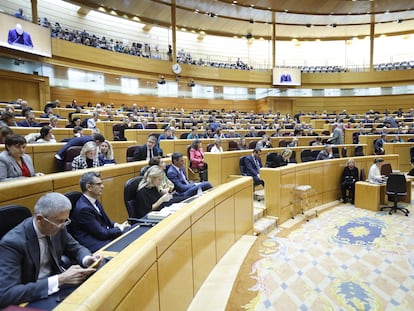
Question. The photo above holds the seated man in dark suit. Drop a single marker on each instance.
(147, 151)
(253, 163)
(91, 226)
(30, 120)
(30, 267)
(177, 175)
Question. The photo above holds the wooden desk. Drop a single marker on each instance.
(372, 196)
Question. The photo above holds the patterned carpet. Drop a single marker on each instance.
(346, 259)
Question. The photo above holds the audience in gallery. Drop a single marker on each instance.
(90, 225)
(151, 195)
(87, 158)
(217, 148)
(14, 163)
(106, 154)
(252, 166)
(349, 177)
(148, 150)
(25, 276)
(178, 176)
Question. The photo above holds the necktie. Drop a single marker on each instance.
(55, 262)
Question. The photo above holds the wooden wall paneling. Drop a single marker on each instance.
(203, 241)
(225, 225)
(243, 204)
(33, 88)
(144, 294)
(175, 274)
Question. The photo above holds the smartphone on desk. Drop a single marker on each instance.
(96, 263)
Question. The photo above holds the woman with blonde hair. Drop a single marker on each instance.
(149, 197)
(106, 153)
(87, 158)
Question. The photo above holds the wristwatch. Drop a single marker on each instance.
(176, 68)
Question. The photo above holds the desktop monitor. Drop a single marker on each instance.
(18, 34)
(286, 76)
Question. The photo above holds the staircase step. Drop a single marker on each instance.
(258, 213)
(265, 224)
(259, 195)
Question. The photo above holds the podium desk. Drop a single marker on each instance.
(372, 196)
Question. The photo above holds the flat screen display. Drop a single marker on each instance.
(286, 76)
(24, 36)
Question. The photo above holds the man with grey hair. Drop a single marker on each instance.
(30, 267)
(325, 153)
(91, 226)
(337, 134)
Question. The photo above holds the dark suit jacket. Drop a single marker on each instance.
(26, 124)
(251, 167)
(91, 229)
(177, 179)
(20, 262)
(141, 152)
(77, 141)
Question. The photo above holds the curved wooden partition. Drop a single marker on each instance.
(403, 149)
(323, 176)
(165, 267)
(43, 155)
(221, 166)
(27, 191)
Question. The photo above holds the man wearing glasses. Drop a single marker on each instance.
(30, 266)
(91, 226)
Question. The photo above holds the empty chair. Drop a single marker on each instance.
(359, 151)
(184, 135)
(343, 152)
(386, 169)
(152, 126)
(283, 143)
(73, 196)
(130, 153)
(355, 137)
(242, 166)
(315, 154)
(130, 190)
(233, 145)
(292, 158)
(306, 155)
(252, 144)
(70, 154)
(396, 187)
(335, 152)
(11, 216)
(362, 176)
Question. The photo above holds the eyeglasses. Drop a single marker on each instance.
(61, 225)
(96, 183)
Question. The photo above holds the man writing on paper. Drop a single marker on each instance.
(30, 266)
